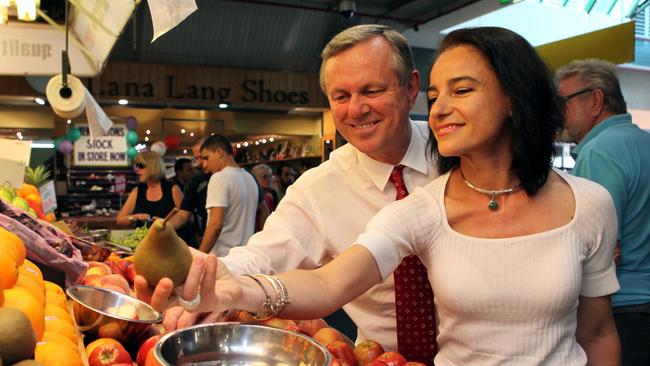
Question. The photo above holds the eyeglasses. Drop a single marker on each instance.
(566, 98)
(140, 165)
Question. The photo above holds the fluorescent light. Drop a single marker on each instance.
(42, 145)
(191, 134)
(39, 100)
(69, 121)
(238, 146)
(223, 105)
(122, 102)
(184, 151)
(182, 131)
(271, 139)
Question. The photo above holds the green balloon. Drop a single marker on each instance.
(131, 152)
(132, 138)
(74, 134)
(58, 141)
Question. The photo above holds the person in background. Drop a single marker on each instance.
(329, 206)
(286, 175)
(184, 172)
(154, 196)
(615, 153)
(232, 198)
(519, 254)
(264, 176)
(192, 208)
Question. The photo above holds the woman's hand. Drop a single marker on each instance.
(139, 216)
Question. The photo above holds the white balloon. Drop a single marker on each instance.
(159, 147)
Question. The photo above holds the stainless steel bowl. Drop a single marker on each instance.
(239, 344)
(98, 312)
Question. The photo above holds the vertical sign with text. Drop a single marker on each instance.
(120, 183)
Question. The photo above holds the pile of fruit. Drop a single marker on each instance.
(35, 321)
(132, 239)
(27, 198)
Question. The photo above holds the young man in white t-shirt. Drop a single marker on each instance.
(231, 199)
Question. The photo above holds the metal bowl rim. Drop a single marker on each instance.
(70, 293)
(157, 349)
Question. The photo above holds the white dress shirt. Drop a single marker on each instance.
(506, 301)
(323, 213)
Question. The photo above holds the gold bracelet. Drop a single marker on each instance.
(266, 310)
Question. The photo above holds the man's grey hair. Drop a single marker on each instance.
(597, 74)
(402, 54)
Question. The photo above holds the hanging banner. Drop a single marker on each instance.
(109, 150)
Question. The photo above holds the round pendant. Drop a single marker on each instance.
(493, 205)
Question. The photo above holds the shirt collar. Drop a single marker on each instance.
(415, 159)
(612, 121)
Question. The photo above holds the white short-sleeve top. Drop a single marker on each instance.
(510, 301)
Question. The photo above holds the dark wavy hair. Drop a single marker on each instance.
(537, 114)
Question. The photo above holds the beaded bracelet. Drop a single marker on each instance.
(267, 309)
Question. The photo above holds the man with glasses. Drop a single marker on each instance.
(615, 153)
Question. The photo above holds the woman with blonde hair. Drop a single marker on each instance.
(154, 196)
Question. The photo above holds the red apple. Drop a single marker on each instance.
(392, 359)
(375, 363)
(340, 362)
(413, 363)
(109, 354)
(310, 327)
(342, 350)
(143, 351)
(151, 359)
(367, 351)
(327, 335)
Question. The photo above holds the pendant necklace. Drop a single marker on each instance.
(493, 204)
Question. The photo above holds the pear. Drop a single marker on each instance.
(162, 254)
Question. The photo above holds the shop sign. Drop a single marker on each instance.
(109, 150)
(120, 183)
(48, 194)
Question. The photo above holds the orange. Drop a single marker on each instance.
(60, 326)
(56, 337)
(9, 271)
(21, 299)
(63, 314)
(27, 189)
(30, 284)
(10, 242)
(50, 217)
(2, 297)
(56, 300)
(33, 269)
(54, 353)
(53, 287)
(34, 198)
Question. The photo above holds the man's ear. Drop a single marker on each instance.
(413, 87)
(598, 100)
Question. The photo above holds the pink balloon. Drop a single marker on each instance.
(65, 147)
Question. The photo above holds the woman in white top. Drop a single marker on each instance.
(519, 255)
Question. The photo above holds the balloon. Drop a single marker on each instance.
(131, 152)
(57, 141)
(74, 134)
(172, 141)
(65, 147)
(131, 138)
(159, 147)
(131, 123)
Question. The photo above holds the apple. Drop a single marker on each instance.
(151, 359)
(144, 349)
(327, 335)
(414, 363)
(342, 350)
(98, 342)
(310, 327)
(90, 280)
(280, 323)
(111, 329)
(375, 363)
(109, 354)
(367, 351)
(392, 359)
(340, 362)
(98, 268)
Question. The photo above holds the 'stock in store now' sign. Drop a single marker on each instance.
(109, 150)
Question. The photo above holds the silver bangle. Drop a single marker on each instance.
(266, 309)
(282, 295)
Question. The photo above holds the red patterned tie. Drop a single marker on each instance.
(416, 318)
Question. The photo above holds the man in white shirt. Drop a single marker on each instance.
(231, 199)
(370, 80)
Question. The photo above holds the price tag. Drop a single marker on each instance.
(48, 194)
(120, 183)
